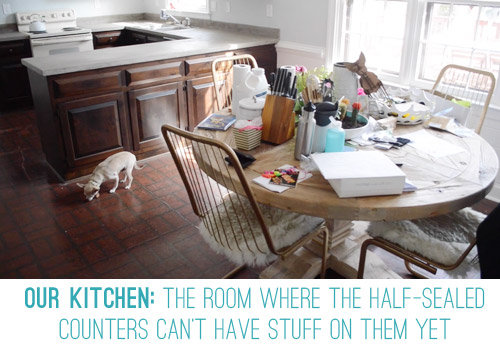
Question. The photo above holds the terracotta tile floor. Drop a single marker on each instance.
(47, 230)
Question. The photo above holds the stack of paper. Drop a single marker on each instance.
(360, 174)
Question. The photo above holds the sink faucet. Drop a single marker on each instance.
(166, 16)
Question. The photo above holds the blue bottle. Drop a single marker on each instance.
(335, 137)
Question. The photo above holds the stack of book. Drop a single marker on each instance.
(247, 139)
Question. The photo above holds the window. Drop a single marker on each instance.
(377, 28)
(409, 41)
(188, 5)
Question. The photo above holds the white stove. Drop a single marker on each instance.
(61, 34)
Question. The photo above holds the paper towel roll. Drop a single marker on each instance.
(290, 69)
(240, 71)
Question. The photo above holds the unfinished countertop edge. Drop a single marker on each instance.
(130, 55)
(199, 41)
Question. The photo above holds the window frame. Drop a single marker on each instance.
(411, 46)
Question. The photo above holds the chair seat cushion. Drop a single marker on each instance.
(442, 238)
(284, 227)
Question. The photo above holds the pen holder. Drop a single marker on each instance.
(277, 119)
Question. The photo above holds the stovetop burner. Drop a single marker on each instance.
(69, 29)
(37, 31)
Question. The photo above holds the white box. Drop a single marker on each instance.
(360, 174)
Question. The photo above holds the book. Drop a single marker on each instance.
(360, 174)
(217, 122)
(286, 179)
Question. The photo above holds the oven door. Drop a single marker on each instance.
(61, 44)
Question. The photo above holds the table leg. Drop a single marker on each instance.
(339, 231)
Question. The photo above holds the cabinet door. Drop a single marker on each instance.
(201, 100)
(14, 82)
(152, 107)
(14, 85)
(94, 128)
(264, 55)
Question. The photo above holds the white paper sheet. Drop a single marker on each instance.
(432, 145)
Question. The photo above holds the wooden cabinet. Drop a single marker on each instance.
(14, 82)
(84, 117)
(152, 107)
(264, 55)
(201, 100)
(108, 39)
(94, 128)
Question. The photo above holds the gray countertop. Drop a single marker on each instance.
(198, 41)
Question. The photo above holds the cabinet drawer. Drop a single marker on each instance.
(202, 65)
(155, 73)
(106, 39)
(85, 84)
(14, 48)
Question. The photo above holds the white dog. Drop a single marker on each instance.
(110, 169)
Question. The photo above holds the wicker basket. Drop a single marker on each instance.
(247, 139)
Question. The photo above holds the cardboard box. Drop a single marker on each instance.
(360, 174)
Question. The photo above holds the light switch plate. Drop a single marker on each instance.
(97, 4)
(6, 9)
(213, 6)
(228, 6)
(269, 10)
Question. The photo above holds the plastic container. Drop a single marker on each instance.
(320, 132)
(335, 137)
(250, 108)
(254, 84)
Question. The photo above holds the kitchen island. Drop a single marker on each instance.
(92, 104)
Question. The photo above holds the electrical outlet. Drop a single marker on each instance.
(213, 6)
(228, 6)
(97, 4)
(269, 10)
(6, 9)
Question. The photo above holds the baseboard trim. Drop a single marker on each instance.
(302, 49)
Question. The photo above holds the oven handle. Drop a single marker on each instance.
(61, 40)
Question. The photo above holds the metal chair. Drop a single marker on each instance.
(222, 73)
(232, 222)
(467, 84)
(415, 241)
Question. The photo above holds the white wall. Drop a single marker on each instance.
(83, 8)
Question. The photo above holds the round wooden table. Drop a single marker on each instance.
(444, 184)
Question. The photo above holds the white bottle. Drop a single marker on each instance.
(319, 141)
(255, 84)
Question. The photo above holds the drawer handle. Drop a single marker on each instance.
(11, 50)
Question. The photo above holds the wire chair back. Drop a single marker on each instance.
(467, 84)
(222, 73)
(218, 190)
